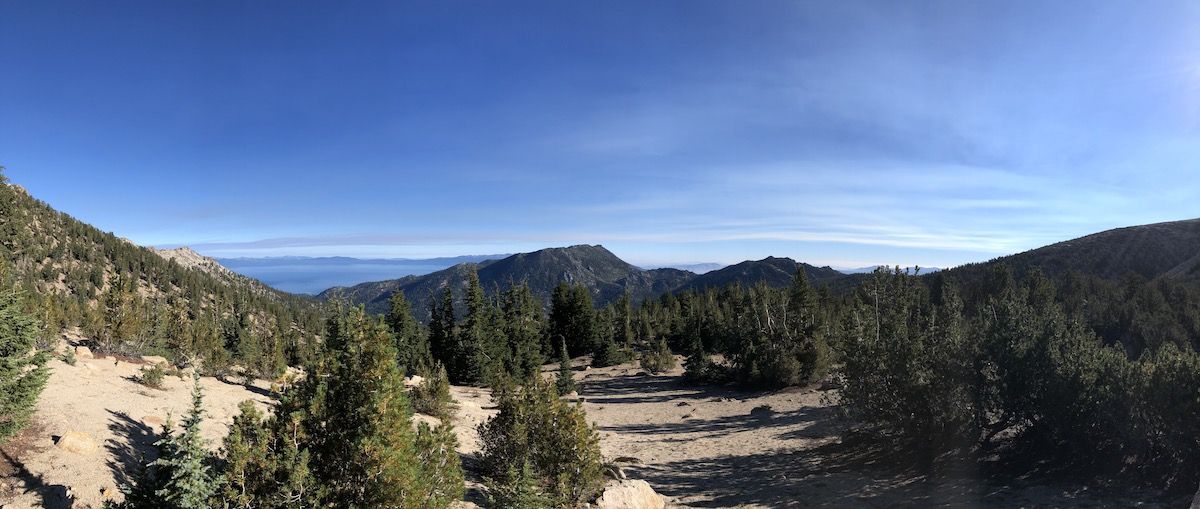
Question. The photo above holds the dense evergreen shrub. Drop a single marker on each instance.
(536, 431)
(519, 489)
(659, 359)
(564, 383)
(152, 377)
(23, 372)
(917, 368)
(432, 395)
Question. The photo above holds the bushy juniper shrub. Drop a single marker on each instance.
(152, 376)
(432, 395)
(658, 359)
(536, 431)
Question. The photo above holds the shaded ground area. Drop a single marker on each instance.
(100, 399)
(721, 447)
(17, 480)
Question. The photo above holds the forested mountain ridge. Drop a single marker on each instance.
(773, 271)
(131, 299)
(1149, 251)
(1136, 286)
(605, 275)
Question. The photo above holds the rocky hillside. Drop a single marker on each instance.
(187, 258)
(83, 277)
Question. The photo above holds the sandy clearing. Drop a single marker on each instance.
(699, 446)
(100, 397)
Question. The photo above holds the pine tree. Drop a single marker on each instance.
(659, 359)
(471, 362)
(565, 384)
(623, 322)
(573, 319)
(441, 330)
(143, 492)
(120, 321)
(412, 345)
(290, 480)
(187, 482)
(432, 395)
(536, 426)
(356, 423)
(608, 350)
(524, 327)
(22, 375)
(441, 480)
(249, 465)
(805, 329)
(698, 366)
(519, 489)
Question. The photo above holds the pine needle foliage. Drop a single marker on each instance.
(23, 372)
(432, 395)
(357, 427)
(565, 382)
(535, 427)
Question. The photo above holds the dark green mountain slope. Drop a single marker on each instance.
(595, 267)
(602, 272)
(1162, 249)
(777, 272)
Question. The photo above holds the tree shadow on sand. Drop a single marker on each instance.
(132, 449)
(53, 496)
(862, 471)
(653, 389)
(818, 423)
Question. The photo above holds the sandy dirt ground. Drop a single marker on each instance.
(698, 446)
(102, 399)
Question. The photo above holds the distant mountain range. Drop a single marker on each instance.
(699, 268)
(606, 275)
(311, 275)
(868, 270)
(1156, 250)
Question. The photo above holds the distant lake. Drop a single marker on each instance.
(314, 275)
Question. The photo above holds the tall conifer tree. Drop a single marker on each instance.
(22, 375)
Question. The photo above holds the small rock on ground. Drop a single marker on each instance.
(630, 494)
(76, 442)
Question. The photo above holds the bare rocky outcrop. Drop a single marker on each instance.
(630, 494)
(83, 352)
(186, 257)
(77, 442)
(156, 360)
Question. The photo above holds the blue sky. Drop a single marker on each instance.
(842, 133)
